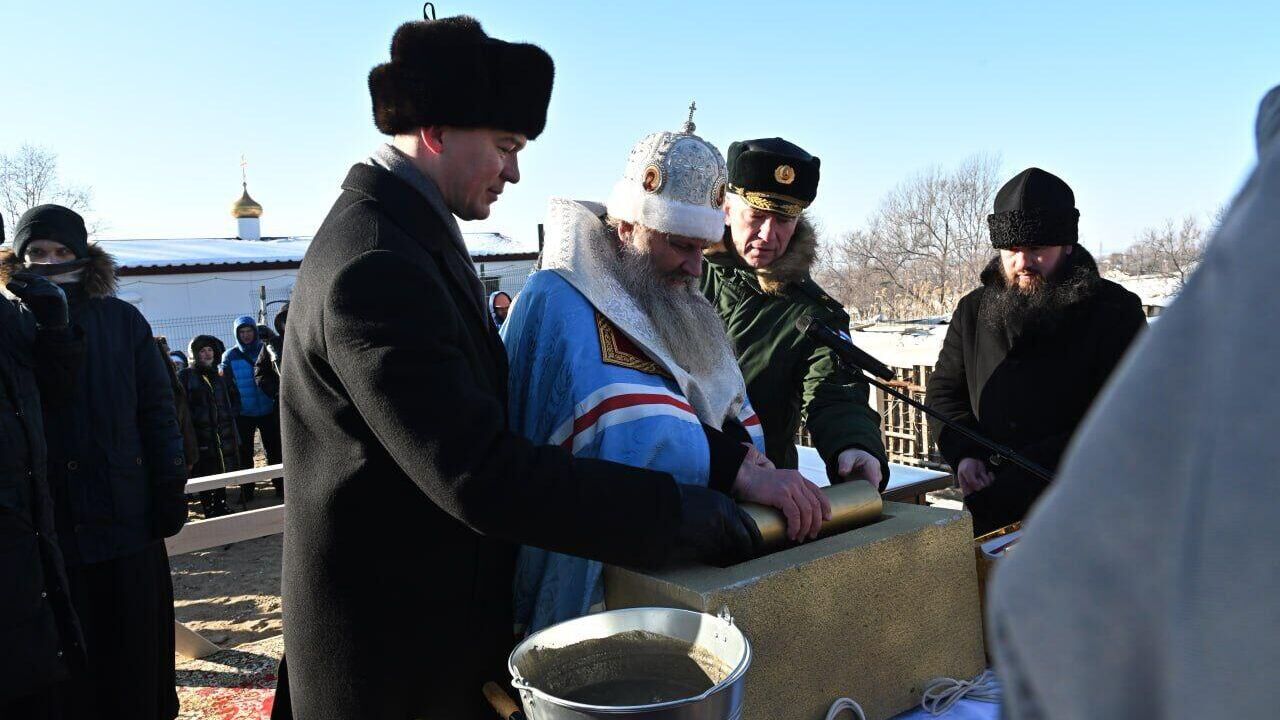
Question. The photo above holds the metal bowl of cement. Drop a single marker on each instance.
(641, 663)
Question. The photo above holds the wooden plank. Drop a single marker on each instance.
(191, 644)
(204, 534)
(239, 477)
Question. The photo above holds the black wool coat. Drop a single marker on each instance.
(408, 493)
(1027, 390)
(39, 633)
(116, 461)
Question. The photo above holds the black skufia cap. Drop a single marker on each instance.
(1034, 208)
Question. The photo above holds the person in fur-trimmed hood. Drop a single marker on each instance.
(214, 403)
(1026, 352)
(758, 280)
(118, 475)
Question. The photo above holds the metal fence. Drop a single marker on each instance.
(509, 280)
(180, 331)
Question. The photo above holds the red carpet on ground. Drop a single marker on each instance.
(234, 684)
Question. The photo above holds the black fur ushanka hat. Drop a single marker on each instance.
(449, 72)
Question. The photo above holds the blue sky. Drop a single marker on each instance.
(1146, 109)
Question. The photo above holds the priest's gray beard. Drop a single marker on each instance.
(686, 322)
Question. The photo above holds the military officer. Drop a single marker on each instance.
(758, 278)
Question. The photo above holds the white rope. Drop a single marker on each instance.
(941, 694)
(843, 704)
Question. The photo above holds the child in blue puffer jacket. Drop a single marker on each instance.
(258, 411)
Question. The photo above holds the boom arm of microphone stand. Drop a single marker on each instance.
(1000, 450)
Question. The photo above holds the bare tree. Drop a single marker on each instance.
(29, 177)
(923, 248)
(1173, 249)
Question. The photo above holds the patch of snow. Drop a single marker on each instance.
(1152, 289)
(902, 344)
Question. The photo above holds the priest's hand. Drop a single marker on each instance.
(859, 464)
(787, 490)
(973, 475)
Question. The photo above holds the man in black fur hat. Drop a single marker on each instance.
(411, 494)
(1027, 352)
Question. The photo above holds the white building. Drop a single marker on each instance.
(192, 286)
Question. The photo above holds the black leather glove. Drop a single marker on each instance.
(713, 529)
(168, 516)
(45, 299)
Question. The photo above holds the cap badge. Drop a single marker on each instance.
(785, 174)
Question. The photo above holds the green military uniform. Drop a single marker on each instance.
(789, 377)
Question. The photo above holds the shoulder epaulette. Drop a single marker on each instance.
(815, 294)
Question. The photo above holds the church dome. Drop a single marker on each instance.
(246, 207)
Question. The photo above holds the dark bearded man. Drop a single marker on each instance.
(616, 355)
(1027, 352)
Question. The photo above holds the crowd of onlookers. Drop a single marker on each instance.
(223, 397)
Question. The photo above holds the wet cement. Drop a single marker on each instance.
(631, 668)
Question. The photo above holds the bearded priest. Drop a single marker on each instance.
(615, 354)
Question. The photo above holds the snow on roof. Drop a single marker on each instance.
(234, 251)
(902, 344)
(482, 244)
(1152, 289)
(204, 251)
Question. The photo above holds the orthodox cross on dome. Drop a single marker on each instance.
(245, 207)
(689, 127)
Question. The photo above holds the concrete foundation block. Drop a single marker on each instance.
(871, 614)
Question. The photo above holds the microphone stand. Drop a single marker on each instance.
(1002, 453)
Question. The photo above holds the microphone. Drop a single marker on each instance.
(843, 346)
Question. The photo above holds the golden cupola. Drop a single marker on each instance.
(246, 207)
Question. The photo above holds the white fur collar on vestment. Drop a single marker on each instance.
(576, 241)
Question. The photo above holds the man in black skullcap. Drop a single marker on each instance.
(40, 359)
(408, 494)
(1026, 353)
(758, 280)
(118, 472)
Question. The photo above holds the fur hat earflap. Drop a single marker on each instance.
(449, 72)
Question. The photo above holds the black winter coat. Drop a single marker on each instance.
(39, 634)
(401, 535)
(213, 415)
(116, 463)
(1028, 390)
